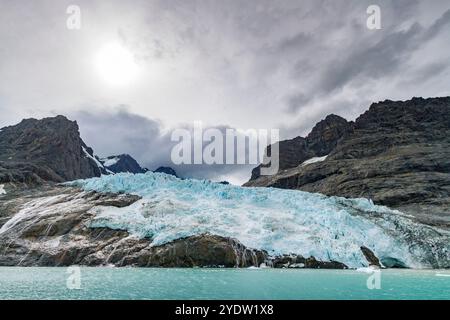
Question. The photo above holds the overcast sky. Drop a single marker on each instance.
(236, 63)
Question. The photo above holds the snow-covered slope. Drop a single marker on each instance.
(122, 163)
(279, 221)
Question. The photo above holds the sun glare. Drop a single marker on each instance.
(116, 65)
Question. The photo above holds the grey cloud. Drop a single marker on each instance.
(370, 62)
(427, 72)
(374, 62)
(437, 26)
(297, 102)
(117, 130)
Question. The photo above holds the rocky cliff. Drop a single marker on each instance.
(50, 149)
(396, 153)
(322, 139)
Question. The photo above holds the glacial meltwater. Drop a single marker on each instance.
(141, 283)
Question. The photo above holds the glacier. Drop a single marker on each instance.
(275, 220)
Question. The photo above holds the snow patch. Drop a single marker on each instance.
(110, 162)
(34, 209)
(2, 189)
(98, 163)
(314, 160)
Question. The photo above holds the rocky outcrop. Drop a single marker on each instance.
(396, 153)
(299, 262)
(50, 226)
(50, 149)
(322, 139)
(199, 251)
(370, 257)
(122, 163)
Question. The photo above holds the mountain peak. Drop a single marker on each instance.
(49, 149)
(122, 163)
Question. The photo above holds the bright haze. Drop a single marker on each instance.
(138, 69)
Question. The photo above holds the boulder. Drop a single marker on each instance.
(370, 257)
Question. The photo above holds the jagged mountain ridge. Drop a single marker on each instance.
(322, 139)
(397, 154)
(50, 149)
(122, 163)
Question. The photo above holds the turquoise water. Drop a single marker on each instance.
(139, 283)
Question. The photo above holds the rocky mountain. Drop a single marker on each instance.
(322, 139)
(397, 154)
(166, 170)
(122, 163)
(50, 149)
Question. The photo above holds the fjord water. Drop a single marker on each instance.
(241, 284)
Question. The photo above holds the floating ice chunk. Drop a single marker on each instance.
(370, 269)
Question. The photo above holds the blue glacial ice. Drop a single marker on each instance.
(279, 221)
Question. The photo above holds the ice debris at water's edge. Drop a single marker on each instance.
(279, 221)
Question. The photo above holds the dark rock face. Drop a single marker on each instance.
(396, 153)
(122, 163)
(299, 262)
(325, 135)
(50, 149)
(322, 139)
(370, 257)
(166, 170)
(199, 251)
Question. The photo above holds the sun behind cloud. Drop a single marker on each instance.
(116, 65)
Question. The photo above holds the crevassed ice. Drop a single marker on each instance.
(279, 221)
